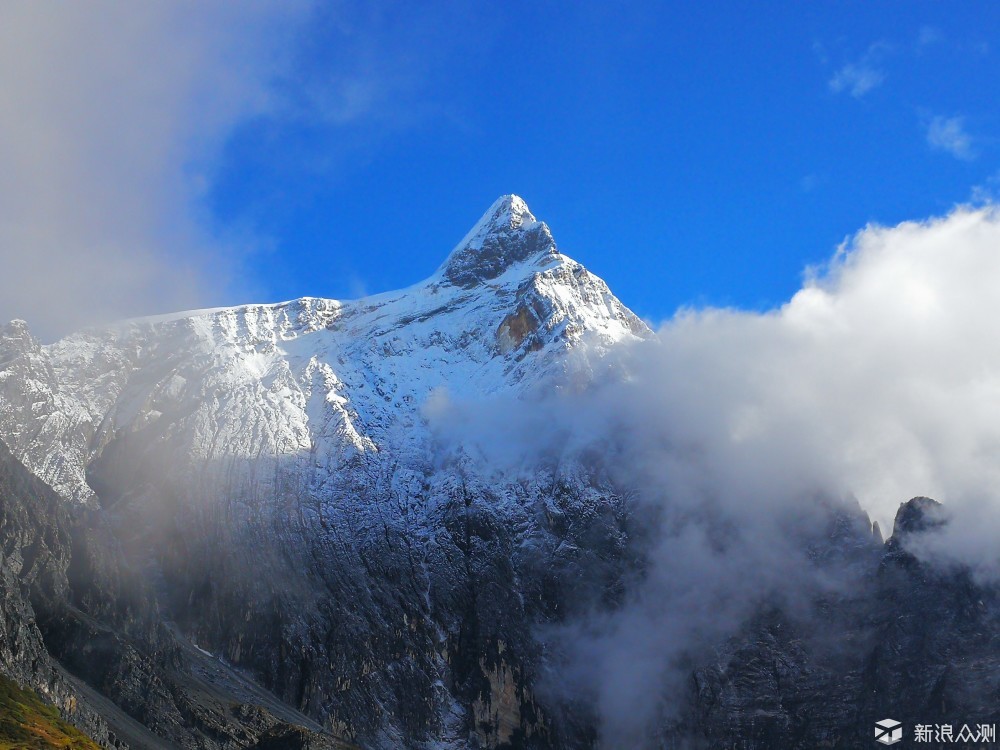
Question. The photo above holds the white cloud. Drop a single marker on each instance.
(110, 117)
(878, 380)
(861, 76)
(857, 79)
(948, 134)
(883, 369)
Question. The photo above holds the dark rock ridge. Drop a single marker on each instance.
(910, 641)
(82, 630)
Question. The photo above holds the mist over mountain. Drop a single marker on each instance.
(498, 510)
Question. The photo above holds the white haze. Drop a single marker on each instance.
(879, 380)
(111, 114)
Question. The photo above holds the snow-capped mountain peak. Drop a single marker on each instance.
(508, 233)
(508, 212)
(313, 377)
(15, 337)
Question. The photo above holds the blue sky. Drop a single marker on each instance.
(687, 155)
(174, 154)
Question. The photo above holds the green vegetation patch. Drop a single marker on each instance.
(27, 723)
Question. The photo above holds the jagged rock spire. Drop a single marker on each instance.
(508, 233)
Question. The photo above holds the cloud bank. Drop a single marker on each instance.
(881, 374)
(878, 381)
(111, 115)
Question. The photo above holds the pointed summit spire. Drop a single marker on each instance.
(509, 212)
(508, 233)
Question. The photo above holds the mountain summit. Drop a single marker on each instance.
(274, 469)
(508, 233)
(338, 378)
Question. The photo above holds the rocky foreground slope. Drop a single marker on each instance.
(239, 528)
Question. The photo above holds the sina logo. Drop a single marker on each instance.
(888, 731)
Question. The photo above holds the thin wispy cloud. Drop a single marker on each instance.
(819, 49)
(861, 76)
(857, 79)
(948, 134)
(361, 64)
(987, 192)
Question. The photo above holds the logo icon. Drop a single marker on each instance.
(888, 731)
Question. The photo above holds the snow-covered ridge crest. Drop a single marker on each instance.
(322, 381)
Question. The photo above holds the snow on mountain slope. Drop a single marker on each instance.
(321, 380)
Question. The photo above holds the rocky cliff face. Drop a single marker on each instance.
(34, 555)
(908, 641)
(83, 630)
(255, 539)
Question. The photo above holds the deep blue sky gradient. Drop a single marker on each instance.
(689, 154)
